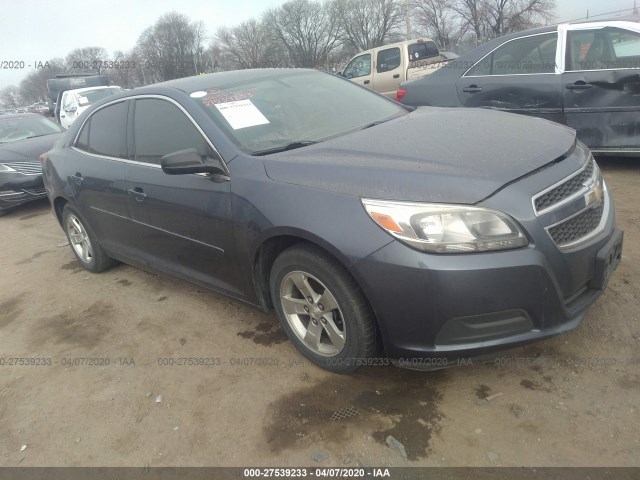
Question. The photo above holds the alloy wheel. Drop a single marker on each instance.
(79, 239)
(313, 313)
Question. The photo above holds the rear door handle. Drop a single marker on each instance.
(137, 193)
(397, 75)
(77, 178)
(472, 89)
(366, 82)
(579, 85)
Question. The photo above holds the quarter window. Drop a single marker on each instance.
(388, 60)
(606, 48)
(105, 133)
(422, 50)
(160, 128)
(528, 55)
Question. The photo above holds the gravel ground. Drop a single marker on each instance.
(104, 394)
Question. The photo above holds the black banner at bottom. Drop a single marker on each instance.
(395, 473)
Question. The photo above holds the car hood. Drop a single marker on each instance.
(28, 149)
(451, 155)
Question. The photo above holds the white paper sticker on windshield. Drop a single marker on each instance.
(198, 94)
(241, 114)
(83, 100)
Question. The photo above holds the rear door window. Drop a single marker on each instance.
(388, 60)
(606, 48)
(105, 133)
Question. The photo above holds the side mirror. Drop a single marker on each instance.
(188, 161)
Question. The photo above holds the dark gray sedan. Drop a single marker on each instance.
(377, 232)
(584, 75)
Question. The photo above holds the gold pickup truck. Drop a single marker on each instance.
(383, 69)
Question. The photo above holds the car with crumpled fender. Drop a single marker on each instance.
(585, 75)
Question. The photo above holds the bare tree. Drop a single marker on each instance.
(366, 24)
(308, 30)
(245, 45)
(169, 48)
(10, 97)
(87, 59)
(126, 69)
(33, 87)
(473, 14)
(492, 18)
(513, 15)
(441, 22)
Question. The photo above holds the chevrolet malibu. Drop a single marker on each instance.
(302, 192)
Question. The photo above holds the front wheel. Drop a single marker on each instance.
(83, 243)
(322, 309)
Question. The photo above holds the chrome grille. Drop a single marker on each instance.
(566, 189)
(25, 168)
(36, 191)
(577, 227)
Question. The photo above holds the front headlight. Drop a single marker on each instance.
(5, 168)
(442, 228)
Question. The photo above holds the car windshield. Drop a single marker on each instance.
(14, 128)
(91, 96)
(292, 109)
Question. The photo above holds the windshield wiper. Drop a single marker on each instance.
(41, 135)
(288, 146)
(373, 124)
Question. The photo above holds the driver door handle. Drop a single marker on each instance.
(366, 82)
(77, 178)
(137, 193)
(472, 89)
(579, 85)
(397, 75)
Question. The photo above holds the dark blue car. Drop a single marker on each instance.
(377, 232)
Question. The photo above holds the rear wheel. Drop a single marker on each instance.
(322, 310)
(83, 243)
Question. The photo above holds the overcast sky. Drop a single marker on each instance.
(37, 30)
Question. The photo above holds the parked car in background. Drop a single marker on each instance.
(584, 75)
(300, 191)
(23, 138)
(70, 81)
(74, 102)
(41, 108)
(383, 69)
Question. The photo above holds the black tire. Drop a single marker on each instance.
(97, 261)
(353, 314)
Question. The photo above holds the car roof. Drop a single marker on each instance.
(86, 89)
(553, 28)
(626, 18)
(221, 79)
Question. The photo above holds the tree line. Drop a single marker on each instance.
(320, 34)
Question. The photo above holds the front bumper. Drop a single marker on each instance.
(16, 189)
(434, 309)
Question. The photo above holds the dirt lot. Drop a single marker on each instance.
(571, 400)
